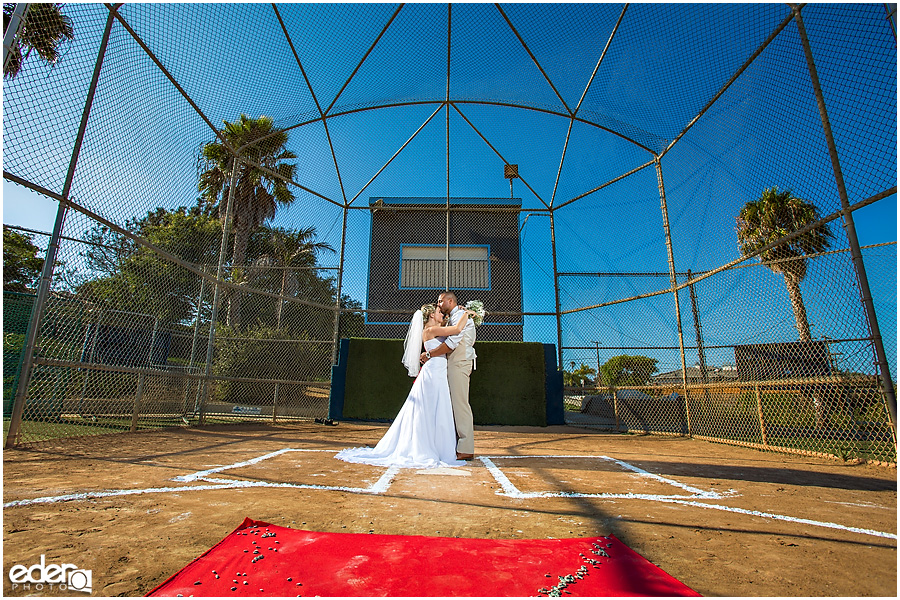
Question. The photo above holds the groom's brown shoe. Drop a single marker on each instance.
(461, 456)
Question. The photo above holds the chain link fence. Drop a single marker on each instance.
(764, 388)
(594, 174)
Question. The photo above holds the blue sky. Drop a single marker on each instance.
(664, 65)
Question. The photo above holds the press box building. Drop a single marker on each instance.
(409, 267)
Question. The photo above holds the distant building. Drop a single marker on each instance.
(408, 264)
(695, 375)
(782, 360)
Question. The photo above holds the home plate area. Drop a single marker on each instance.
(519, 477)
(516, 476)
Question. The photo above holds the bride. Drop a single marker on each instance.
(423, 435)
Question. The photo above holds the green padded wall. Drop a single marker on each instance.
(508, 387)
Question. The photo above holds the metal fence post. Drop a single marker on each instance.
(704, 375)
(615, 395)
(223, 250)
(850, 228)
(338, 287)
(15, 24)
(87, 372)
(674, 283)
(139, 394)
(762, 422)
(142, 380)
(890, 10)
(704, 371)
(34, 324)
(447, 243)
(197, 323)
(556, 290)
(447, 105)
(275, 405)
(187, 387)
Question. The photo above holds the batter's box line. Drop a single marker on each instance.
(509, 489)
(112, 493)
(379, 487)
(202, 474)
(765, 515)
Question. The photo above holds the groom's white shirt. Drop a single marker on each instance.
(468, 332)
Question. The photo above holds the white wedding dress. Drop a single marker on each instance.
(423, 435)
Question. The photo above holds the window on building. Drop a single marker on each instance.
(424, 267)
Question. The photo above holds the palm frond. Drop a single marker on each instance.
(773, 216)
(43, 30)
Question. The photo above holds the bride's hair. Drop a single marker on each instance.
(427, 311)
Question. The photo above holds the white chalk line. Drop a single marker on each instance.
(757, 513)
(246, 463)
(379, 487)
(701, 493)
(242, 483)
(383, 483)
(505, 484)
(510, 490)
(110, 493)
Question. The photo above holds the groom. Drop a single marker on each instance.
(459, 367)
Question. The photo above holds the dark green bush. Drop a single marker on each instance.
(264, 354)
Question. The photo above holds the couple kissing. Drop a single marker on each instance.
(435, 427)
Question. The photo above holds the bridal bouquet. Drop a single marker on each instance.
(478, 307)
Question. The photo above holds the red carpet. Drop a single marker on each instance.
(291, 562)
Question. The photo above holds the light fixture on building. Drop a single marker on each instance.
(511, 172)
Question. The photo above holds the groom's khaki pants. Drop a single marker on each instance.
(458, 371)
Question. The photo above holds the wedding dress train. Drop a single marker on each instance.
(423, 435)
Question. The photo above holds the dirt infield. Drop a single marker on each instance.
(726, 521)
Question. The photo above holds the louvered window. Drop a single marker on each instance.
(425, 267)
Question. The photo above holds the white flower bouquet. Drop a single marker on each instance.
(477, 306)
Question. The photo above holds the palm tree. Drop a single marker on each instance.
(43, 30)
(578, 377)
(771, 217)
(292, 251)
(258, 192)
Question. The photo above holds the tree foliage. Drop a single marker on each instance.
(626, 370)
(21, 263)
(263, 353)
(285, 259)
(303, 279)
(44, 30)
(131, 277)
(262, 183)
(772, 216)
(579, 376)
